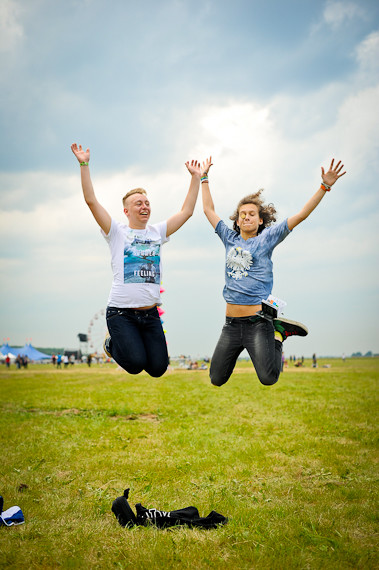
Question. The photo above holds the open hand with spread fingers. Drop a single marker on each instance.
(193, 167)
(206, 166)
(332, 175)
(81, 155)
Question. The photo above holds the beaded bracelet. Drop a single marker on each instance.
(83, 163)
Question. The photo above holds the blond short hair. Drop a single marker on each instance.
(131, 192)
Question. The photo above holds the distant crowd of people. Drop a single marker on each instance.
(21, 361)
(65, 359)
(298, 362)
(184, 362)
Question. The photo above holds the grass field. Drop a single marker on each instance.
(293, 466)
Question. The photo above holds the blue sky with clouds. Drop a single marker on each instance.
(272, 90)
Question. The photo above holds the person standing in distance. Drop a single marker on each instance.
(136, 340)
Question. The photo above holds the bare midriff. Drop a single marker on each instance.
(144, 308)
(241, 310)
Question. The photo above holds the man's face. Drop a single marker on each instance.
(248, 219)
(137, 210)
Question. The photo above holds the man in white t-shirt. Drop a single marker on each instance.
(136, 339)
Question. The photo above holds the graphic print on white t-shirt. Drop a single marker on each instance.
(142, 261)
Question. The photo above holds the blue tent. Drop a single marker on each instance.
(32, 353)
(6, 349)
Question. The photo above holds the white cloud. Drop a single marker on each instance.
(243, 141)
(367, 54)
(11, 30)
(336, 14)
(357, 129)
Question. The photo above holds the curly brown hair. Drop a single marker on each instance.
(266, 211)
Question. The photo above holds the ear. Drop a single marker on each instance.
(126, 212)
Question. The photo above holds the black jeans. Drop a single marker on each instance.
(256, 334)
(137, 340)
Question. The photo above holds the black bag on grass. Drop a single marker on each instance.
(188, 516)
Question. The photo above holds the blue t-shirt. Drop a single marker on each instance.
(248, 269)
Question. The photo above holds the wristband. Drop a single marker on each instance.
(204, 178)
(325, 187)
(83, 163)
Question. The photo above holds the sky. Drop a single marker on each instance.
(272, 90)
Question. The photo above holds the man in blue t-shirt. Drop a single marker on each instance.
(249, 280)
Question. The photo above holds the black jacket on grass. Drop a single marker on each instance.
(188, 516)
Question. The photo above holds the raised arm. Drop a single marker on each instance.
(99, 213)
(177, 220)
(208, 206)
(328, 179)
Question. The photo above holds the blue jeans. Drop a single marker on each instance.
(256, 334)
(137, 340)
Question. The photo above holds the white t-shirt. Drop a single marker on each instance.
(136, 264)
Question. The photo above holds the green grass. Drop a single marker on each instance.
(293, 466)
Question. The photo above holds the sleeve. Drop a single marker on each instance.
(276, 234)
(223, 231)
(114, 229)
(162, 229)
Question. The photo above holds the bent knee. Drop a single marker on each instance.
(130, 367)
(268, 380)
(157, 373)
(217, 380)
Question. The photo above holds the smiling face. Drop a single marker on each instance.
(249, 220)
(137, 210)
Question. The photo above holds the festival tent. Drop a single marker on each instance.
(10, 354)
(6, 349)
(32, 353)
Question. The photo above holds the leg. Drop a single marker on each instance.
(155, 344)
(227, 350)
(265, 352)
(126, 345)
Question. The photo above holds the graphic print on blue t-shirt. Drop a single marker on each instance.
(238, 260)
(141, 261)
